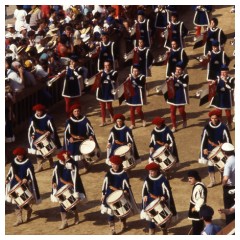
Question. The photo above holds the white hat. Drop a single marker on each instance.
(10, 25)
(227, 147)
(39, 48)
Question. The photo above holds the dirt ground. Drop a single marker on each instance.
(46, 218)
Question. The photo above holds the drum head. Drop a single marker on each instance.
(158, 151)
(40, 138)
(114, 196)
(214, 152)
(152, 204)
(121, 150)
(14, 187)
(87, 146)
(62, 189)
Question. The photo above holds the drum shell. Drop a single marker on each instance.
(158, 212)
(164, 158)
(67, 197)
(127, 157)
(20, 194)
(120, 205)
(218, 158)
(45, 145)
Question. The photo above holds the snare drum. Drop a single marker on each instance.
(158, 212)
(164, 158)
(67, 197)
(90, 151)
(45, 145)
(119, 204)
(125, 153)
(20, 194)
(217, 157)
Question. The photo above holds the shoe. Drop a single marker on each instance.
(63, 226)
(17, 223)
(184, 124)
(132, 127)
(173, 129)
(144, 123)
(151, 231)
(29, 213)
(165, 231)
(102, 125)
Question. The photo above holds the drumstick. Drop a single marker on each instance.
(190, 231)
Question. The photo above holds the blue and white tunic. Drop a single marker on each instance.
(107, 51)
(217, 59)
(107, 84)
(161, 136)
(124, 136)
(44, 123)
(144, 32)
(224, 93)
(201, 17)
(138, 84)
(71, 84)
(161, 19)
(159, 187)
(176, 55)
(78, 127)
(181, 90)
(178, 32)
(24, 170)
(68, 171)
(213, 134)
(214, 34)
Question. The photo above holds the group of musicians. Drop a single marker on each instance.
(122, 154)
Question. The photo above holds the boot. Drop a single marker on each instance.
(64, 221)
(39, 165)
(29, 213)
(212, 180)
(151, 231)
(19, 220)
(76, 218)
(112, 227)
(165, 231)
(123, 224)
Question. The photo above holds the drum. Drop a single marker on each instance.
(119, 204)
(20, 194)
(164, 158)
(90, 151)
(217, 157)
(67, 197)
(45, 145)
(125, 153)
(158, 212)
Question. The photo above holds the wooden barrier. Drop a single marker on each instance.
(228, 230)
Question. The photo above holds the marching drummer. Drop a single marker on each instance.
(42, 124)
(105, 91)
(156, 186)
(22, 172)
(214, 134)
(177, 95)
(116, 179)
(78, 128)
(121, 135)
(162, 136)
(66, 173)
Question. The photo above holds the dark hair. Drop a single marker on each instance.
(215, 21)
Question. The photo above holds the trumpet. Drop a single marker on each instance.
(54, 79)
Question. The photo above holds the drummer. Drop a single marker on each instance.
(78, 128)
(22, 171)
(214, 134)
(162, 136)
(121, 135)
(66, 172)
(156, 186)
(116, 179)
(42, 123)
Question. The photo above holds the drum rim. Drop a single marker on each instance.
(17, 186)
(73, 205)
(117, 198)
(165, 219)
(218, 149)
(40, 138)
(157, 200)
(162, 147)
(63, 189)
(122, 153)
(169, 166)
(26, 202)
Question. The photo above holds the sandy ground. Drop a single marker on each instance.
(46, 219)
